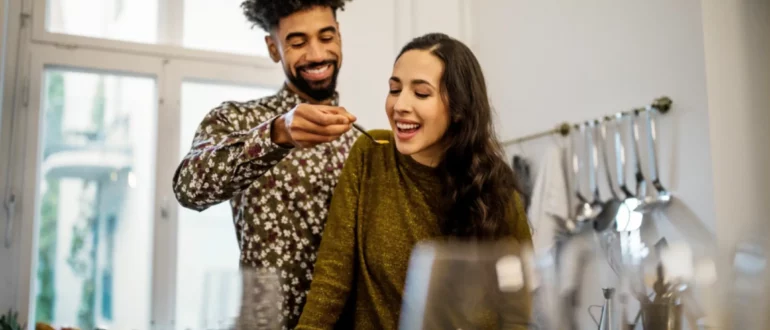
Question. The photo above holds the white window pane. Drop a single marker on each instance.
(127, 20)
(208, 281)
(95, 227)
(221, 26)
(207, 24)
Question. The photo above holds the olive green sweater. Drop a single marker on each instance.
(379, 212)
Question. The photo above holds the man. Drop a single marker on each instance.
(277, 159)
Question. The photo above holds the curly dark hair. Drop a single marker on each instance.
(267, 13)
(479, 185)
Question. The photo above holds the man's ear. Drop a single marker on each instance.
(272, 48)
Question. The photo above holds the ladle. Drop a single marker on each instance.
(627, 219)
(587, 209)
(663, 197)
(641, 183)
(611, 207)
(570, 225)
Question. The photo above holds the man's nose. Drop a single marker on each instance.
(315, 52)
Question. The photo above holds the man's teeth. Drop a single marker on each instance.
(318, 69)
(405, 126)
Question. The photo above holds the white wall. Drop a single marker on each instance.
(372, 34)
(548, 62)
(737, 40)
(737, 44)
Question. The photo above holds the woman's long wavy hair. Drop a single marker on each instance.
(476, 200)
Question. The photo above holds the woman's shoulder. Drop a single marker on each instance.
(372, 157)
(520, 221)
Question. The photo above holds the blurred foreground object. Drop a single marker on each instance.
(749, 302)
(43, 326)
(468, 285)
(261, 301)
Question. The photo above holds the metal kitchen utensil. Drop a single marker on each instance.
(641, 183)
(592, 155)
(611, 207)
(628, 219)
(376, 141)
(587, 209)
(663, 197)
(605, 318)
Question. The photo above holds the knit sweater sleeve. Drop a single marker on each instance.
(333, 276)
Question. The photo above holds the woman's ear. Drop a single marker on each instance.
(456, 117)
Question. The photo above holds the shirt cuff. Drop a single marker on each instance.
(259, 145)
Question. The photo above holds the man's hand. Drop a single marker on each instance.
(308, 125)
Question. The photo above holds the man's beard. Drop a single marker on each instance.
(317, 90)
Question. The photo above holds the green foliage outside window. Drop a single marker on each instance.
(84, 244)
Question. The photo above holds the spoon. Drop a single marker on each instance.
(376, 141)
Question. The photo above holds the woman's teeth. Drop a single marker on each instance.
(407, 127)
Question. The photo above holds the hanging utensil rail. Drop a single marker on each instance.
(661, 104)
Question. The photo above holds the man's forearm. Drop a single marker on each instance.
(222, 165)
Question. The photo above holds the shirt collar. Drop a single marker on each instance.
(291, 98)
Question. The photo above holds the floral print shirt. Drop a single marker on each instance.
(279, 197)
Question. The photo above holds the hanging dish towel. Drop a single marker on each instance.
(521, 169)
(550, 202)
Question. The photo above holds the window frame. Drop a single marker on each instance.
(169, 38)
(170, 66)
(42, 57)
(176, 73)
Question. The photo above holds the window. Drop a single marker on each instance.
(94, 238)
(217, 26)
(231, 33)
(208, 281)
(111, 19)
(107, 93)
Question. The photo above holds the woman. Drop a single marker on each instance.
(445, 177)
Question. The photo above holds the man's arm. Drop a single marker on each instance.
(223, 159)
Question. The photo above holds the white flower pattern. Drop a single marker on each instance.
(279, 197)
